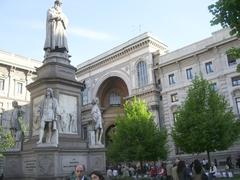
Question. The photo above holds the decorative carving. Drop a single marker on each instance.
(68, 114)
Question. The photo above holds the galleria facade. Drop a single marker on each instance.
(140, 67)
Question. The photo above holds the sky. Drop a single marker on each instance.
(96, 26)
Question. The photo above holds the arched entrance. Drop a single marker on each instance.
(111, 93)
(108, 135)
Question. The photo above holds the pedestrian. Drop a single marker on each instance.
(198, 171)
(212, 172)
(96, 175)
(78, 173)
(182, 171)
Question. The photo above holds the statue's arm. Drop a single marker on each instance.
(64, 20)
(53, 15)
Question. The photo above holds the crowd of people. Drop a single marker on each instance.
(178, 170)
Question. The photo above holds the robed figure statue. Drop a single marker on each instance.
(56, 25)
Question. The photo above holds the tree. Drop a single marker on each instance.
(136, 136)
(6, 141)
(227, 14)
(205, 122)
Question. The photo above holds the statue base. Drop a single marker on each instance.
(44, 145)
(96, 146)
(44, 161)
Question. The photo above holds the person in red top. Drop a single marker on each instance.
(153, 171)
(163, 171)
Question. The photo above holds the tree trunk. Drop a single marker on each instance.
(209, 159)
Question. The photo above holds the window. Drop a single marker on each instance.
(231, 61)
(19, 88)
(85, 133)
(171, 79)
(174, 97)
(174, 117)
(236, 81)
(114, 99)
(2, 84)
(142, 74)
(189, 73)
(214, 86)
(209, 68)
(238, 104)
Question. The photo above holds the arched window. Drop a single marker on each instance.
(114, 99)
(142, 74)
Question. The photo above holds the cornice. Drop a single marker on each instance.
(195, 53)
(18, 61)
(114, 56)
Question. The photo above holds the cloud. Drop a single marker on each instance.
(90, 34)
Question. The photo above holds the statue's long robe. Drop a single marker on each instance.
(56, 31)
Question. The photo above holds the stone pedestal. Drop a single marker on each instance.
(55, 161)
(52, 162)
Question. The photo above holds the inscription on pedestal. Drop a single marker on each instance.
(97, 162)
(29, 166)
(69, 163)
(46, 165)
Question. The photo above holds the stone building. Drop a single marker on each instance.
(15, 73)
(143, 67)
(176, 70)
(119, 74)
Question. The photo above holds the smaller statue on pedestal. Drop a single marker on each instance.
(97, 119)
(56, 25)
(48, 119)
(16, 130)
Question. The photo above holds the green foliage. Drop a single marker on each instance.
(205, 122)
(235, 54)
(136, 137)
(226, 13)
(6, 141)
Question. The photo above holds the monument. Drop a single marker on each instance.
(96, 135)
(55, 144)
(15, 126)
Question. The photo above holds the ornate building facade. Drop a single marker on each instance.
(143, 67)
(119, 74)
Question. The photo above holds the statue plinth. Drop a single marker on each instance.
(57, 65)
(57, 57)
